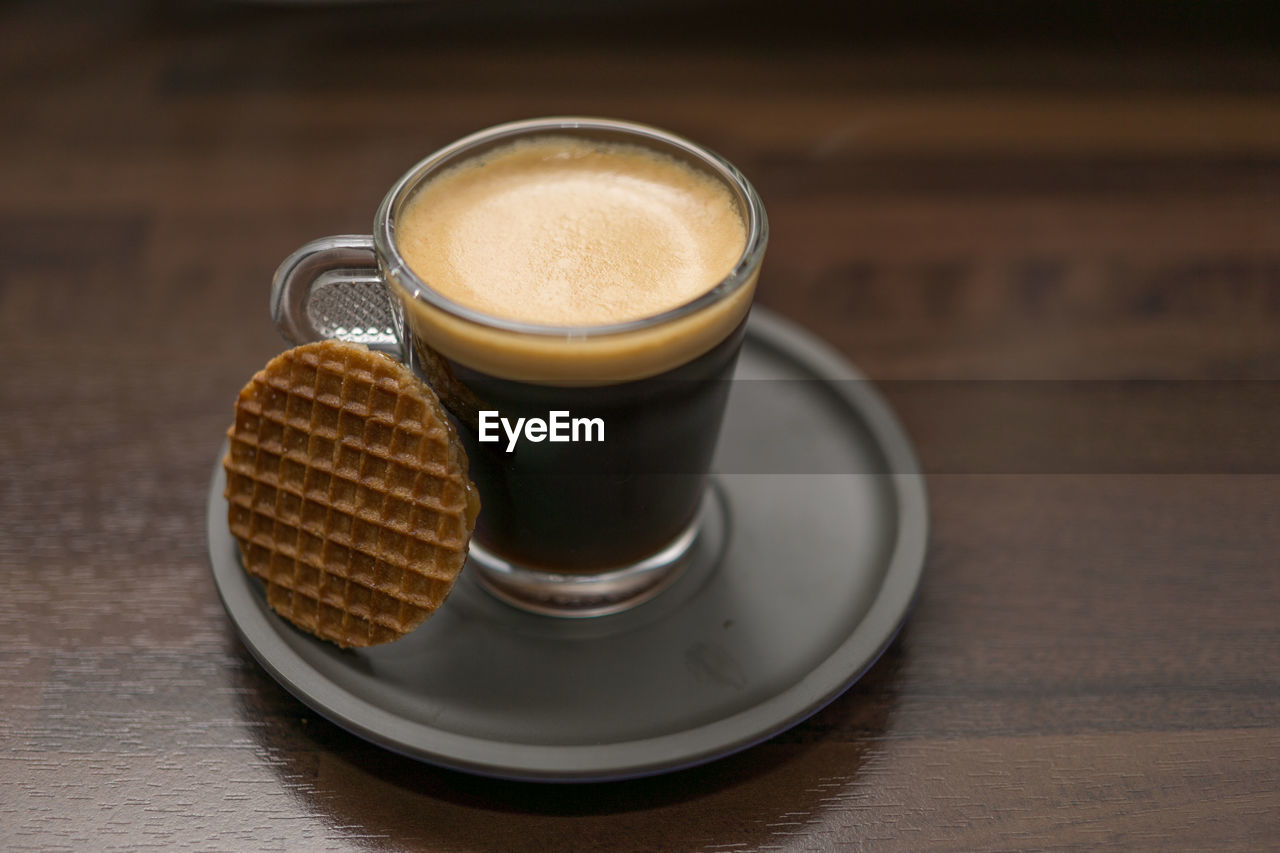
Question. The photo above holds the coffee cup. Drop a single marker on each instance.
(576, 291)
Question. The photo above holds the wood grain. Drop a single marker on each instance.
(1093, 659)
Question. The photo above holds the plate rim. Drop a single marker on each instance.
(664, 753)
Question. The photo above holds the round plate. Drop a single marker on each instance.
(820, 551)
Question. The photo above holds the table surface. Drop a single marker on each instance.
(1059, 258)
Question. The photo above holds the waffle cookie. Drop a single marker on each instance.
(348, 493)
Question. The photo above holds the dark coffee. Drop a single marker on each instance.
(590, 506)
(560, 255)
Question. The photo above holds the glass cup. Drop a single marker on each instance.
(568, 528)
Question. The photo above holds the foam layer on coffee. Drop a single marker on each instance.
(557, 231)
(564, 232)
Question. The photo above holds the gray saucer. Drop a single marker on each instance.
(812, 555)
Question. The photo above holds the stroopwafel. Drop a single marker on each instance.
(348, 492)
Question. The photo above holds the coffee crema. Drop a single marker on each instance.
(571, 233)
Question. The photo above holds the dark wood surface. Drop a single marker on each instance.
(1094, 660)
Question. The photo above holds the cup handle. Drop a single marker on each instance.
(331, 288)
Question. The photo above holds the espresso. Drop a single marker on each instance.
(594, 506)
(574, 233)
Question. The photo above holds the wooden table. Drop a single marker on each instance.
(1094, 660)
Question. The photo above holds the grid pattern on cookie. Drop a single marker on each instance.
(345, 493)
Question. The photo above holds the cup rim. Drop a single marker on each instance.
(399, 274)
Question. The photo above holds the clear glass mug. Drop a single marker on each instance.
(565, 528)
